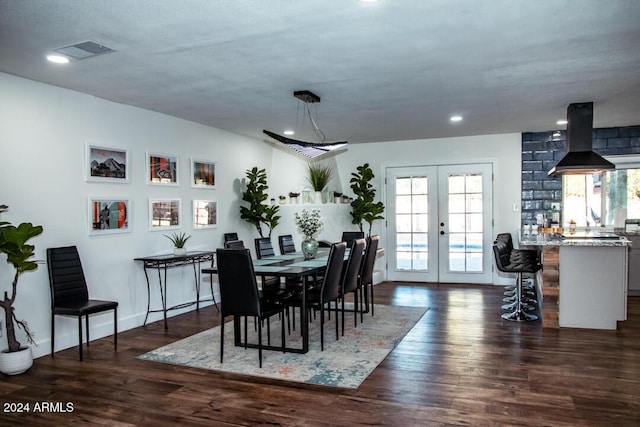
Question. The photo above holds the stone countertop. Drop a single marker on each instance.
(557, 240)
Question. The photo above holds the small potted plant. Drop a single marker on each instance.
(13, 243)
(178, 240)
(337, 197)
(293, 198)
(283, 200)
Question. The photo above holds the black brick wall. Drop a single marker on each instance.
(541, 151)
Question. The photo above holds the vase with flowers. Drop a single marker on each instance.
(309, 224)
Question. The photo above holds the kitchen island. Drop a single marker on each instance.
(584, 279)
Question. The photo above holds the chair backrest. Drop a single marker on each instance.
(264, 248)
(354, 266)
(66, 277)
(238, 285)
(349, 236)
(230, 236)
(506, 238)
(366, 275)
(501, 254)
(330, 289)
(234, 244)
(286, 244)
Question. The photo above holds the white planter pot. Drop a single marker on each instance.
(16, 362)
(179, 251)
(317, 197)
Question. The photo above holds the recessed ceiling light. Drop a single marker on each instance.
(562, 122)
(57, 59)
(456, 118)
(288, 132)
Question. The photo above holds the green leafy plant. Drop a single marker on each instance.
(178, 239)
(319, 176)
(13, 243)
(255, 194)
(363, 207)
(309, 223)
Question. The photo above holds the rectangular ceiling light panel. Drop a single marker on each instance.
(84, 50)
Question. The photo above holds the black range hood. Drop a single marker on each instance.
(580, 157)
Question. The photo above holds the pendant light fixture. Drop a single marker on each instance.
(311, 150)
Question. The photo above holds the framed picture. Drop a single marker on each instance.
(164, 214)
(162, 169)
(108, 216)
(203, 174)
(107, 164)
(205, 214)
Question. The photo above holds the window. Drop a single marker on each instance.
(597, 199)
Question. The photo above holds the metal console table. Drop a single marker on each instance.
(162, 263)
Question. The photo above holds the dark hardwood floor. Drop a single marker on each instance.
(461, 365)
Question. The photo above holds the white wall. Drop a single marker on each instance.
(43, 132)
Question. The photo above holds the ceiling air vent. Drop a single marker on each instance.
(84, 50)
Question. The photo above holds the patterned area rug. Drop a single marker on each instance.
(343, 363)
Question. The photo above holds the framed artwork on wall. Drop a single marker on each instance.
(107, 164)
(162, 169)
(164, 214)
(108, 215)
(203, 174)
(205, 214)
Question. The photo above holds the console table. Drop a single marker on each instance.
(162, 263)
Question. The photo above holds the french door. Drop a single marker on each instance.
(439, 223)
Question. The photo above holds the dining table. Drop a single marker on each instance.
(289, 266)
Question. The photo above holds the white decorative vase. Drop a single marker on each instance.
(318, 197)
(179, 251)
(17, 362)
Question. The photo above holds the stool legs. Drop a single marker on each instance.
(519, 314)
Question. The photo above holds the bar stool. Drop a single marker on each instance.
(528, 296)
(506, 263)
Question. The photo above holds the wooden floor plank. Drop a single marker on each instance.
(461, 365)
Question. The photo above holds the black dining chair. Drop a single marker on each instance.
(241, 297)
(366, 275)
(70, 296)
(234, 244)
(329, 290)
(286, 244)
(349, 236)
(350, 278)
(230, 236)
(264, 248)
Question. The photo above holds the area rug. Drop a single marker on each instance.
(344, 363)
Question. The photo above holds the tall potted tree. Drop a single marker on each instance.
(363, 207)
(13, 243)
(255, 194)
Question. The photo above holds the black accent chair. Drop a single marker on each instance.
(70, 296)
(286, 244)
(350, 278)
(234, 244)
(264, 248)
(241, 297)
(230, 236)
(329, 290)
(366, 275)
(349, 236)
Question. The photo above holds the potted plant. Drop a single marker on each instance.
(283, 200)
(13, 243)
(309, 224)
(258, 213)
(178, 240)
(363, 207)
(319, 177)
(337, 197)
(293, 198)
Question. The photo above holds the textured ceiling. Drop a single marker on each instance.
(394, 70)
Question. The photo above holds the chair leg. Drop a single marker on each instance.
(86, 320)
(371, 299)
(336, 303)
(115, 329)
(80, 336)
(342, 315)
(221, 337)
(269, 330)
(260, 342)
(322, 328)
(282, 331)
(53, 332)
(355, 309)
